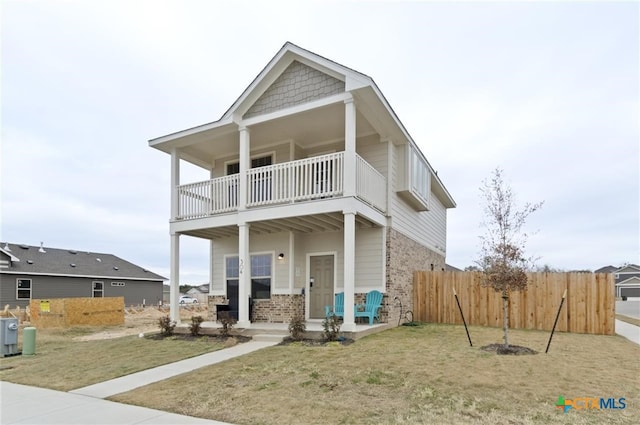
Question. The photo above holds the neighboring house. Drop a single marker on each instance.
(627, 279)
(32, 272)
(200, 293)
(450, 268)
(316, 188)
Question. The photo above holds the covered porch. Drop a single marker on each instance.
(280, 330)
(312, 251)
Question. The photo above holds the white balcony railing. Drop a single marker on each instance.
(304, 179)
(207, 198)
(318, 177)
(371, 186)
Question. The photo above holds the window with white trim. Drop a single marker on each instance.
(23, 289)
(261, 274)
(414, 178)
(420, 177)
(98, 289)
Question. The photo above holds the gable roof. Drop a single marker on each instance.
(34, 260)
(629, 268)
(7, 252)
(361, 86)
(606, 269)
(635, 280)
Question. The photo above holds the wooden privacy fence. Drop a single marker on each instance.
(588, 308)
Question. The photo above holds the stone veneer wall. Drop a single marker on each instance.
(278, 309)
(404, 256)
(298, 84)
(212, 300)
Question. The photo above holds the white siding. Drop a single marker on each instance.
(372, 150)
(274, 243)
(369, 260)
(427, 227)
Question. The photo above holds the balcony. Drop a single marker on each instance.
(315, 178)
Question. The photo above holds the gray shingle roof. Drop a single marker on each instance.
(69, 262)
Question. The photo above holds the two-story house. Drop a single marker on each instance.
(316, 188)
(627, 278)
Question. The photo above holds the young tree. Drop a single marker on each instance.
(502, 261)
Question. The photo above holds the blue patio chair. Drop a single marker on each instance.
(371, 307)
(338, 307)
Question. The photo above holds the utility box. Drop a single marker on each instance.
(9, 337)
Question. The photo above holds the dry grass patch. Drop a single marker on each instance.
(410, 375)
(64, 362)
(627, 319)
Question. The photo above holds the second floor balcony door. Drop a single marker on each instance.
(260, 183)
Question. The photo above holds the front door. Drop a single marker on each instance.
(321, 285)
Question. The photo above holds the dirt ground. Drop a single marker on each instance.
(139, 320)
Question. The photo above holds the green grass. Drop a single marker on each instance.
(62, 363)
(410, 375)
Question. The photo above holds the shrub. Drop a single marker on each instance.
(196, 324)
(331, 326)
(227, 321)
(166, 325)
(297, 327)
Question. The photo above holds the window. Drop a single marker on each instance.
(117, 283)
(414, 183)
(24, 289)
(261, 266)
(420, 179)
(261, 276)
(98, 289)
(260, 183)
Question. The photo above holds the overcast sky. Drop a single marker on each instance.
(548, 91)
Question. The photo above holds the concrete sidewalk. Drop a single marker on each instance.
(629, 331)
(31, 405)
(21, 404)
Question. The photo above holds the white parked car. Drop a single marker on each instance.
(187, 299)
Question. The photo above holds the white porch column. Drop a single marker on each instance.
(245, 164)
(175, 182)
(244, 280)
(174, 276)
(349, 270)
(349, 147)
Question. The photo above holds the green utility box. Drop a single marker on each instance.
(29, 341)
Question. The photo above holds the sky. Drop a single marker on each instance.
(547, 91)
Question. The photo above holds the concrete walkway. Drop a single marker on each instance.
(149, 376)
(629, 331)
(21, 404)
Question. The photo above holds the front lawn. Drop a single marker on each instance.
(410, 375)
(63, 363)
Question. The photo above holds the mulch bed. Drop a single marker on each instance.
(189, 337)
(514, 350)
(316, 342)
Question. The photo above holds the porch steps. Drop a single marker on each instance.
(268, 338)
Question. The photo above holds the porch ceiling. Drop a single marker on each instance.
(303, 224)
(306, 129)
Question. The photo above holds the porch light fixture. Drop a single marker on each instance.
(281, 256)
